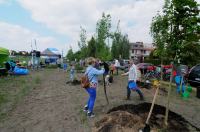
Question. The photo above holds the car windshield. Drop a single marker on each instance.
(196, 69)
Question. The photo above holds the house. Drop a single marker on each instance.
(139, 50)
(23, 53)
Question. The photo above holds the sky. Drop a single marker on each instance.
(56, 23)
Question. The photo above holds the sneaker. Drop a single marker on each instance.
(85, 108)
(90, 114)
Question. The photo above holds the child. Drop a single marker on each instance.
(72, 72)
(112, 68)
(65, 66)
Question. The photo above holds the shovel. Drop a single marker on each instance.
(147, 127)
(105, 92)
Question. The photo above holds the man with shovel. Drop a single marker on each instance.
(132, 78)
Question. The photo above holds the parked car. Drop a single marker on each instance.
(124, 64)
(143, 67)
(194, 76)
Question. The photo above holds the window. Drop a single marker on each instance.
(133, 51)
(144, 51)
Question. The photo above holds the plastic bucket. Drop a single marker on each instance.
(186, 95)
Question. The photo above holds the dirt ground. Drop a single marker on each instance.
(54, 106)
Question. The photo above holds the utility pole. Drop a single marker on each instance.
(32, 54)
(35, 44)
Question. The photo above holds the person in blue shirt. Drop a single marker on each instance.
(92, 74)
(179, 80)
(65, 66)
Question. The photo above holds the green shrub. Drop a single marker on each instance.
(51, 66)
(78, 68)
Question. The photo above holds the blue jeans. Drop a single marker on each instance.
(139, 92)
(92, 98)
(71, 76)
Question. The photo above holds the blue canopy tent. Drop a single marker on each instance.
(51, 55)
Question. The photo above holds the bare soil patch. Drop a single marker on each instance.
(127, 118)
(51, 105)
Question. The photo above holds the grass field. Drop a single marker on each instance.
(13, 89)
(42, 101)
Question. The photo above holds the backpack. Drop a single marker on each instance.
(85, 83)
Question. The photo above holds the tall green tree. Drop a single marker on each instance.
(186, 29)
(120, 45)
(70, 55)
(126, 47)
(176, 30)
(114, 49)
(82, 43)
(77, 55)
(103, 30)
(92, 47)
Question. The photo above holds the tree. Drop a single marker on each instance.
(160, 32)
(125, 47)
(77, 55)
(120, 45)
(70, 55)
(91, 47)
(186, 28)
(102, 29)
(114, 49)
(82, 43)
(177, 30)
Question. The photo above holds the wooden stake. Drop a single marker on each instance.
(168, 97)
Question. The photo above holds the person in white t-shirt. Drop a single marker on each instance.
(132, 78)
(117, 65)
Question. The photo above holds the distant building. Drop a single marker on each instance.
(23, 53)
(139, 50)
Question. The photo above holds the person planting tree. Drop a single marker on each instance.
(92, 74)
(132, 78)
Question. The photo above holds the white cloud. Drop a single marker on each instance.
(3, 1)
(135, 19)
(66, 16)
(18, 38)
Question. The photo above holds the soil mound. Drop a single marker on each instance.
(131, 118)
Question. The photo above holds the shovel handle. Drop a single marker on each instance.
(152, 105)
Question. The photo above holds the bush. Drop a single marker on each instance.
(51, 66)
(78, 68)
